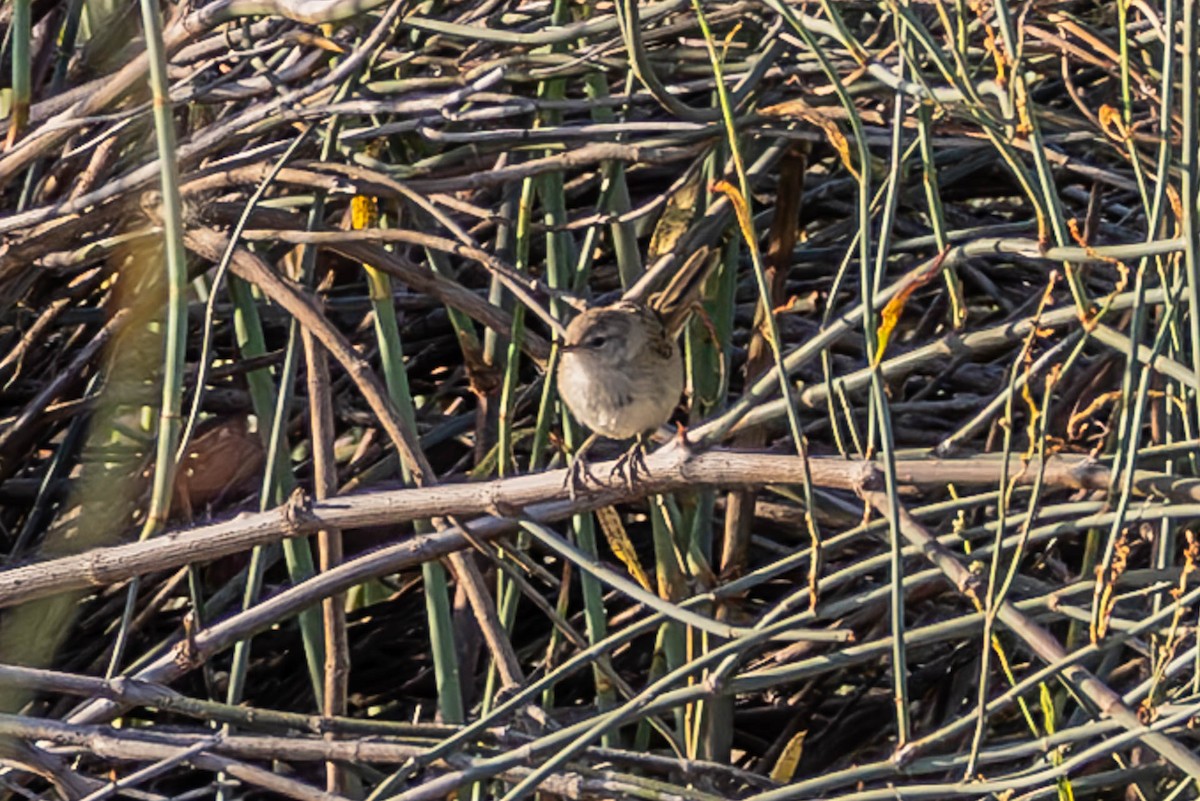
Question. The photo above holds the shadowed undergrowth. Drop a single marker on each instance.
(281, 454)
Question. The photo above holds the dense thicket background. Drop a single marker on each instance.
(287, 276)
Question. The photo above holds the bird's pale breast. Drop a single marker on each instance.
(623, 400)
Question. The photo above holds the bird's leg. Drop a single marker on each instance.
(631, 461)
(680, 439)
(577, 470)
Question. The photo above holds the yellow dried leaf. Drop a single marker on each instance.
(840, 144)
(991, 44)
(740, 207)
(729, 40)
(676, 218)
(1110, 118)
(891, 315)
(324, 43)
(818, 118)
(1035, 414)
(621, 545)
(895, 307)
(364, 212)
(797, 304)
(796, 107)
(1176, 207)
(789, 760)
(888, 319)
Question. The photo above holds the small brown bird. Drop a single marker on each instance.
(621, 373)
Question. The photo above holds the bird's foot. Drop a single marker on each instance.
(630, 463)
(578, 475)
(579, 478)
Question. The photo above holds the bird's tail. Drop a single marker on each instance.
(676, 301)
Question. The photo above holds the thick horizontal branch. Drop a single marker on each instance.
(538, 496)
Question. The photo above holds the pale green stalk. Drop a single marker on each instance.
(175, 327)
(176, 263)
(21, 35)
(879, 402)
(437, 590)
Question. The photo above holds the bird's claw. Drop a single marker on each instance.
(578, 477)
(629, 464)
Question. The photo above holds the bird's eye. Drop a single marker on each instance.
(597, 342)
